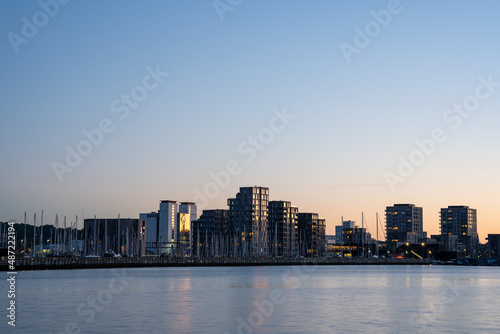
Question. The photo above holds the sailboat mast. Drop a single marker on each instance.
(24, 243)
(105, 235)
(363, 235)
(94, 239)
(56, 235)
(377, 236)
(64, 235)
(342, 235)
(41, 235)
(34, 234)
(119, 238)
(76, 232)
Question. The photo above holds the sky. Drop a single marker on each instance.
(340, 107)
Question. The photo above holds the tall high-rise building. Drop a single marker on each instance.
(311, 234)
(283, 229)
(460, 220)
(167, 218)
(189, 208)
(404, 224)
(249, 213)
(187, 214)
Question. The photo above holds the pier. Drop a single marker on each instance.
(46, 263)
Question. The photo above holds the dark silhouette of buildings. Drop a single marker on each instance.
(494, 245)
(255, 227)
(249, 213)
(311, 235)
(283, 229)
(460, 220)
(212, 234)
(404, 224)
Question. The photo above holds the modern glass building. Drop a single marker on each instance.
(283, 230)
(249, 214)
(404, 224)
(311, 235)
(460, 220)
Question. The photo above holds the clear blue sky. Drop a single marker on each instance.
(352, 119)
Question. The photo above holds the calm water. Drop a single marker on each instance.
(323, 299)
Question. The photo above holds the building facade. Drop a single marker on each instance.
(340, 228)
(255, 227)
(151, 223)
(187, 214)
(311, 235)
(446, 243)
(283, 229)
(404, 224)
(168, 231)
(212, 234)
(460, 220)
(356, 241)
(249, 214)
(494, 245)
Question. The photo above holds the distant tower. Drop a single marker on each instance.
(404, 224)
(460, 220)
(167, 221)
(189, 208)
(151, 223)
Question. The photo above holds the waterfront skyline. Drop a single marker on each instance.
(229, 80)
(190, 208)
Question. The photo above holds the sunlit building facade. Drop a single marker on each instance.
(168, 231)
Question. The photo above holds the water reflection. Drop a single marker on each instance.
(325, 299)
